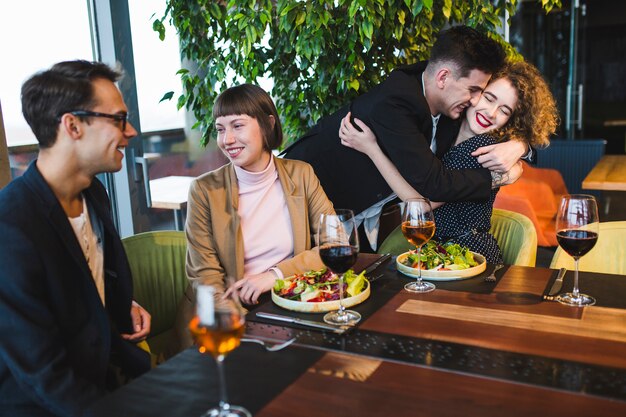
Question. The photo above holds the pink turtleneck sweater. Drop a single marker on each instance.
(265, 220)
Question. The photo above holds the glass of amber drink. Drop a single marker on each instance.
(418, 227)
(217, 329)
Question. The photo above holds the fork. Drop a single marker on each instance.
(492, 277)
(269, 347)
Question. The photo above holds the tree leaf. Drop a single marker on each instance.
(167, 96)
(158, 26)
(300, 18)
(447, 8)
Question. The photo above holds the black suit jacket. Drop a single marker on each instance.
(398, 113)
(57, 337)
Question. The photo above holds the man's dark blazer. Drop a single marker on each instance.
(398, 113)
(57, 337)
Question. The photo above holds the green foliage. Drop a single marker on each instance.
(320, 53)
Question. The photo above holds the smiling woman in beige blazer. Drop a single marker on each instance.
(254, 219)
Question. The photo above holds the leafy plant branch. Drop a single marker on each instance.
(320, 54)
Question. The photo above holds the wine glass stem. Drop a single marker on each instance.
(341, 307)
(575, 290)
(224, 406)
(419, 266)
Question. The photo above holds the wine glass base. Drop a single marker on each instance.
(347, 317)
(571, 300)
(231, 411)
(419, 286)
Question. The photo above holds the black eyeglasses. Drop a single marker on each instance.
(122, 117)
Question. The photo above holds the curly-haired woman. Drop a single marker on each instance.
(516, 105)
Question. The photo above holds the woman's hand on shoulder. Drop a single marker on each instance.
(250, 288)
(363, 141)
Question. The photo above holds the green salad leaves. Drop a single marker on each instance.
(446, 256)
(318, 286)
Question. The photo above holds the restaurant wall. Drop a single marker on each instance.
(600, 46)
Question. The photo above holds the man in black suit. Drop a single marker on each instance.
(67, 318)
(414, 115)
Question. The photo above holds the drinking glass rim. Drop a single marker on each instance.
(578, 197)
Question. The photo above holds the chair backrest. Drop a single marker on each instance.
(522, 206)
(514, 232)
(157, 262)
(395, 243)
(516, 236)
(550, 176)
(607, 256)
(538, 193)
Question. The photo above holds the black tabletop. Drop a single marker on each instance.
(186, 385)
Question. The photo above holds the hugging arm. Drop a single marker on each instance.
(364, 141)
(501, 157)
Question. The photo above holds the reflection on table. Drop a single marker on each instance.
(171, 193)
(469, 348)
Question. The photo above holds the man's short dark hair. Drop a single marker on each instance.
(65, 87)
(469, 50)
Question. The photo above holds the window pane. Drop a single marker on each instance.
(36, 34)
(156, 63)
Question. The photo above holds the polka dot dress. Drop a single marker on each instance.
(467, 222)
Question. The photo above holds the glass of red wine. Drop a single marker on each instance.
(418, 227)
(339, 246)
(577, 227)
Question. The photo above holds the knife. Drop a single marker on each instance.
(376, 264)
(303, 322)
(556, 287)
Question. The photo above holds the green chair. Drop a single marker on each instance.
(514, 232)
(157, 262)
(395, 243)
(607, 256)
(516, 236)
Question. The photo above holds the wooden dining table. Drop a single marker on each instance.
(470, 348)
(609, 174)
(171, 193)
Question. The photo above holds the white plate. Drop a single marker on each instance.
(437, 275)
(322, 306)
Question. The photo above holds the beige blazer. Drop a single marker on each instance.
(214, 239)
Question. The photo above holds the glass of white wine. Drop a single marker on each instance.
(418, 227)
(217, 329)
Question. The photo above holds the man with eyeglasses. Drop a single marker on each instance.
(67, 318)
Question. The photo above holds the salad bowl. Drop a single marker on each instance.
(314, 306)
(442, 275)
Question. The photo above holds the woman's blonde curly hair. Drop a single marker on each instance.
(535, 117)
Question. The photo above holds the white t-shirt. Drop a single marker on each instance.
(91, 246)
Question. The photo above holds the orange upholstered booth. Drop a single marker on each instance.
(536, 195)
